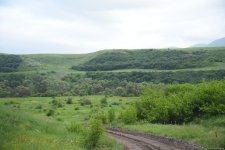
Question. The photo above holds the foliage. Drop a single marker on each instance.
(104, 102)
(155, 77)
(111, 115)
(182, 103)
(75, 127)
(85, 101)
(56, 103)
(69, 101)
(9, 63)
(50, 112)
(95, 132)
(128, 115)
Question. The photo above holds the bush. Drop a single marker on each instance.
(75, 127)
(57, 103)
(39, 106)
(95, 133)
(181, 103)
(128, 115)
(99, 114)
(111, 115)
(115, 103)
(51, 112)
(104, 102)
(85, 101)
(69, 101)
(76, 108)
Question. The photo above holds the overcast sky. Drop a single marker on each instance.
(81, 26)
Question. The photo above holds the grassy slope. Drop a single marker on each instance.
(54, 62)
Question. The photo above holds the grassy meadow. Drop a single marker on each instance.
(24, 122)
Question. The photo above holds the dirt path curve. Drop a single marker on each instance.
(141, 141)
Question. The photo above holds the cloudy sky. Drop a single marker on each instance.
(81, 26)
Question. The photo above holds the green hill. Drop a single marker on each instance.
(153, 59)
(122, 60)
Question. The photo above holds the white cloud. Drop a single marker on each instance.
(81, 26)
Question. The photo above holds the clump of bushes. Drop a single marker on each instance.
(111, 115)
(85, 101)
(39, 106)
(56, 103)
(128, 115)
(76, 108)
(104, 102)
(69, 101)
(181, 103)
(50, 112)
(95, 129)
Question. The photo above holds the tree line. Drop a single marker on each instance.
(95, 83)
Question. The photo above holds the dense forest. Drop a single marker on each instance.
(152, 59)
(9, 63)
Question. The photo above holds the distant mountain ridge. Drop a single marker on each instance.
(216, 43)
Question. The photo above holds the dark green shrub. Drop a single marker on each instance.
(115, 103)
(51, 112)
(76, 108)
(85, 101)
(69, 101)
(57, 103)
(39, 106)
(104, 102)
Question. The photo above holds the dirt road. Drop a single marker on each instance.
(141, 141)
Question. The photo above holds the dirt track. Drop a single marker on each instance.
(141, 141)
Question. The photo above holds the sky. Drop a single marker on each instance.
(83, 26)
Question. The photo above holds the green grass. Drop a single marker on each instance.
(24, 124)
(209, 133)
(21, 131)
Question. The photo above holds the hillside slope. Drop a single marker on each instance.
(154, 59)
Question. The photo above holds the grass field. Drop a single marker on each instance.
(24, 123)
